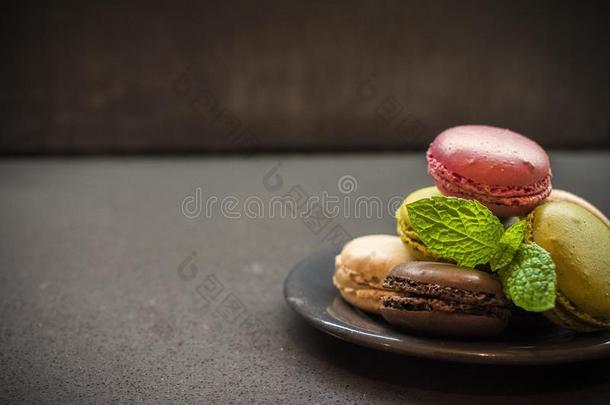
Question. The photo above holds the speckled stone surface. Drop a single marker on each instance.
(108, 293)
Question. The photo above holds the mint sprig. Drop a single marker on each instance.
(508, 245)
(468, 233)
(461, 230)
(530, 280)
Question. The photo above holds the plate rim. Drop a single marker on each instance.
(352, 334)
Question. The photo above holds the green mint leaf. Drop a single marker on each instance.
(509, 243)
(530, 280)
(458, 229)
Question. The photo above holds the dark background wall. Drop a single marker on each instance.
(138, 76)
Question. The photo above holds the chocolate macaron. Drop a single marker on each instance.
(445, 299)
(505, 171)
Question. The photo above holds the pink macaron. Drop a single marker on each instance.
(507, 172)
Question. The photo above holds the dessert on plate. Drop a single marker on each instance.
(445, 299)
(490, 238)
(507, 172)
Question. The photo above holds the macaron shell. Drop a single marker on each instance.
(344, 278)
(491, 155)
(448, 275)
(373, 256)
(363, 264)
(356, 290)
(426, 192)
(562, 195)
(568, 316)
(408, 236)
(347, 278)
(444, 323)
(406, 233)
(579, 244)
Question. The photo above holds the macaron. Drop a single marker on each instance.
(562, 195)
(406, 233)
(362, 266)
(579, 244)
(505, 171)
(445, 299)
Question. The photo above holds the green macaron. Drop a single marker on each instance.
(407, 233)
(579, 244)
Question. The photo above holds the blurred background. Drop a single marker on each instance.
(246, 76)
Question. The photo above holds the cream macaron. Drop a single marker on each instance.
(362, 266)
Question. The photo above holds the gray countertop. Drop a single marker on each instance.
(110, 293)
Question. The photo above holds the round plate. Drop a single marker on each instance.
(308, 289)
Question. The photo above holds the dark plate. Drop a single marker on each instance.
(308, 289)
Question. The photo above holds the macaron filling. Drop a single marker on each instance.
(567, 311)
(415, 303)
(592, 321)
(420, 296)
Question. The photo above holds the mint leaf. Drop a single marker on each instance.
(458, 229)
(530, 279)
(509, 243)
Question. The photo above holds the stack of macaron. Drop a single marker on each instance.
(489, 239)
